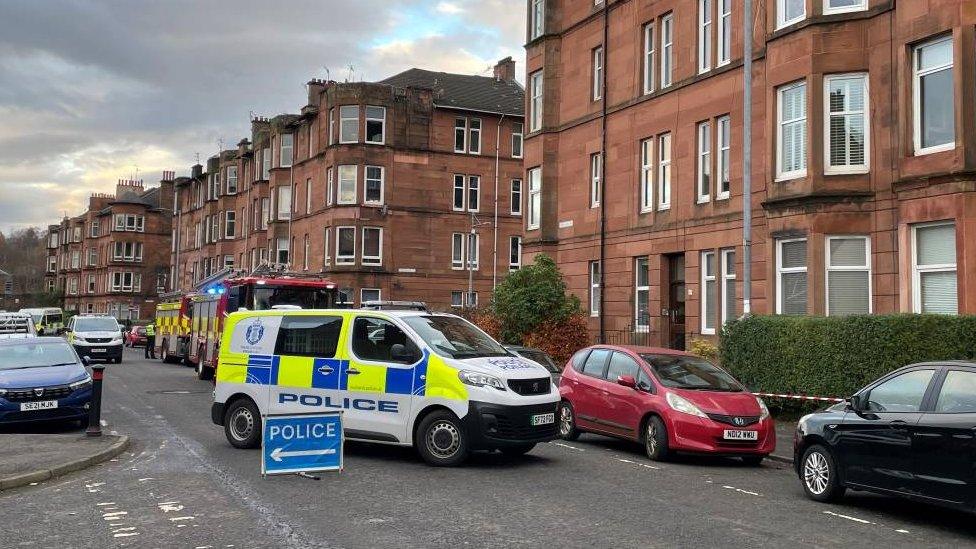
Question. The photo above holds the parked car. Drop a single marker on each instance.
(16, 325)
(42, 379)
(669, 401)
(96, 337)
(539, 357)
(136, 337)
(911, 433)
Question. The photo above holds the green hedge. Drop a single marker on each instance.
(835, 356)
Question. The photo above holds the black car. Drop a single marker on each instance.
(911, 433)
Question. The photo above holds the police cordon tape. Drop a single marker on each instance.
(800, 397)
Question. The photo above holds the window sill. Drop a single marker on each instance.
(723, 197)
(848, 171)
(935, 149)
(789, 176)
(664, 207)
(703, 200)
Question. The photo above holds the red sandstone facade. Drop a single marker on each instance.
(377, 186)
(863, 158)
(113, 259)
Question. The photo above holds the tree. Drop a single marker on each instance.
(531, 296)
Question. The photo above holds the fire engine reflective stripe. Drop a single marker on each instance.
(442, 381)
(370, 379)
(295, 371)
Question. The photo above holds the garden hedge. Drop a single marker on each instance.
(835, 356)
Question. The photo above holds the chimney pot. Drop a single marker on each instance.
(505, 70)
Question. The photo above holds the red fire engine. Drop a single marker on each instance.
(195, 338)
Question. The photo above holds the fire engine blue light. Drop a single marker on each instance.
(211, 291)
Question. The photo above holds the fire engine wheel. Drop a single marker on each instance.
(204, 372)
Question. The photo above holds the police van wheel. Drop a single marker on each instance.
(441, 439)
(242, 424)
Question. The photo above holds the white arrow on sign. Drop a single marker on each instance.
(278, 453)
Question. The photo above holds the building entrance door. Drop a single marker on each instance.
(674, 334)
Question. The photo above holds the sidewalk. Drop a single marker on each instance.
(784, 441)
(32, 458)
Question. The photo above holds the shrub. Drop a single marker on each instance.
(559, 339)
(704, 348)
(835, 356)
(530, 296)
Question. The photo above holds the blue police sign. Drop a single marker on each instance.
(302, 443)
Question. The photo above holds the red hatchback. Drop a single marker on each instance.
(669, 401)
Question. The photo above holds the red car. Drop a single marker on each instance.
(669, 401)
(136, 337)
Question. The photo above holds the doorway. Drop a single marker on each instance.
(674, 321)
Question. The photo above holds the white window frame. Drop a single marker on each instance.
(703, 292)
(597, 72)
(474, 192)
(535, 101)
(459, 302)
(723, 160)
(860, 6)
(332, 132)
(704, 36)
(728, 280)
(93, 229)
(371, 259)
(514, 244)
(463, 188)
(231, 178)
(279, 249)
(780, 124)
(91, 283)
(473, 251)
(537, 19)
(704, 161)
(917, 95)
(667, 50)
(596, 161)
(646, 176)
(865, 118)
(518, 137)
(286, 143)
(344, 120)
(781, 20)
(266, 163)
(595, 277)
(638, 288)
(474, 136)
(355, 184)
(828, 268)
(229, 261)
(724, 29)
(326, 255)
(366, 181)
(534, 205)
(362, 294)
(457, 261)
(329, 185)
(230, 224)
(664, 172)
(283, 209)
(369, 119)
(934, 268)
(462, 132)
(780, 271)
(515, 197)
(345, 259)
(648, 79)
(308, 195)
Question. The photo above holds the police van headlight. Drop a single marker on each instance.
(478, 379)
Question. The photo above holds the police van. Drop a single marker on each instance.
(433, 381)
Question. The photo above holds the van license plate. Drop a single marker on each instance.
(99, 350)
(39, 405)
(741, 435)
(543, 419)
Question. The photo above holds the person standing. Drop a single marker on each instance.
(151, 340)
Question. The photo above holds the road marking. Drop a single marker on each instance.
(145, 479)
(170, 506)
(178, 519)
(126, 529)
(126, 534)
(105, 503)
(902, 531)
(637, 463)
(740, 490)
(560, 444)
(848, 517)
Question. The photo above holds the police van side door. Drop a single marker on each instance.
(305, 367)
(379, 384)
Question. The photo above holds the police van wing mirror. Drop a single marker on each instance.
(399, 352)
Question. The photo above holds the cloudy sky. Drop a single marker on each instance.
(94, 91)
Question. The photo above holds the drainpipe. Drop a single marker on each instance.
(747, 160)
(603, 165)
(494, 249)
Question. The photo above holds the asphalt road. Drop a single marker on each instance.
(182, 485)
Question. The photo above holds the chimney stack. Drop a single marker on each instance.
(505, 70)
(128, 188)
(196, 171)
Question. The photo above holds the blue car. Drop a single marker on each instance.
(42, 379)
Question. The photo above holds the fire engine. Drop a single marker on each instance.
(190, 324)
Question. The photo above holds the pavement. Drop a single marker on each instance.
(180, 484)
(31, 458)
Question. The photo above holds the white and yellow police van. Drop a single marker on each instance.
(434, 381)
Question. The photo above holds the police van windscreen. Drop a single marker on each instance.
(97, 324)
(306, 298)
(454, 337)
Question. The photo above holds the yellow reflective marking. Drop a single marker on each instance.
(442, 380)
(370, 379)
(295, 371)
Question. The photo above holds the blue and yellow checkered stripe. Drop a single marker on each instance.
(330, 373)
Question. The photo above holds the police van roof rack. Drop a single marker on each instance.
(395, 306)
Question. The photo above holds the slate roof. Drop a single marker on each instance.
(461, 91)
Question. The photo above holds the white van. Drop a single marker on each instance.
(434, 381)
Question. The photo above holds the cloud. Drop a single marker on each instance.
(92, 91)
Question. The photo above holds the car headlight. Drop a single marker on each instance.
(117, 338)
(478, 379)
(79, 339)
(763, 410)
(679, 403)
(81, 384)
(3, 392)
